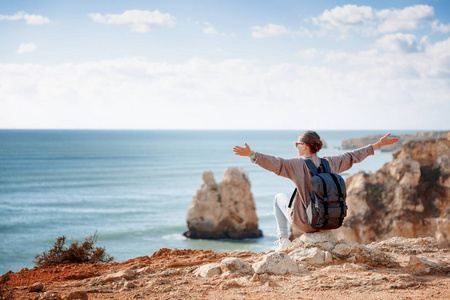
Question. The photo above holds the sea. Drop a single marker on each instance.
(133, 187)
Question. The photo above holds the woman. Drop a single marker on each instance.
(308, 145)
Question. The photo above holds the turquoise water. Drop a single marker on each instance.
(132, 187)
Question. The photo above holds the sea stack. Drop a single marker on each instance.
(224, 210)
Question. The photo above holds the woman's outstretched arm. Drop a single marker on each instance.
(384, 141)
(342, 162)
(280, 166)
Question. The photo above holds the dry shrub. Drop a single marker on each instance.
(75, 253)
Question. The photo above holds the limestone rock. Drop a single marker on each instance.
(313, 256)
(50, 296)
(409, 197)
(297, 243)
(371, 257)
(235, 265)
(209, 270)
(278, 263)
(319, 248)
(225, 210)
(230, 284)
(323, 239)
(403, 245)
(124, 274)
(421, 266)
(77, 295)
(36, 287)
(271, 284)
(259, 277)
(342, 250)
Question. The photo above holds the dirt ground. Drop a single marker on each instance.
(169, 274)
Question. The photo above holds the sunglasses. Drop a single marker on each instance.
(297, 143)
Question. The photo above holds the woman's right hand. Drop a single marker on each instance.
(243, 151)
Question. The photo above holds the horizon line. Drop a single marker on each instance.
(218, 129)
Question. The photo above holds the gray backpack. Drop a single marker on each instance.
(327, 208)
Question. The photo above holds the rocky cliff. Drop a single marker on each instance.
(225, 210)
(315, 266)
(409, 197)
(404, 138)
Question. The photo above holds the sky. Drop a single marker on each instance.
(179, 64)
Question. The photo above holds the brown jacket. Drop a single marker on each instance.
(296, 170)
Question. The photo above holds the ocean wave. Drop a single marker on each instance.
(174, 236)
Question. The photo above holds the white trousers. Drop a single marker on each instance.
(280, 207)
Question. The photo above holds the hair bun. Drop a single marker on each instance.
(312, 139)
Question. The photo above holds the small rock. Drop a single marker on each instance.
(144, 270)
(371, 257)
(259, 277)
(125, 274)
(229, 275)
(420, 265)
(118, 285)
(50, 296)
(129, 285)
(312, 256)
(407, 245)
(297, 243)
(36, 287)
(230, 284)
(323, 239)
(271, 284)
(341, 250)
(209, 270)
(278, 263)
(77, 295)
(235, 265)
(255, 277)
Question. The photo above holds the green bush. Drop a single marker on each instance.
(75, 253)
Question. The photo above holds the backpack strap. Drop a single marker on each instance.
(312, 167)
(325, 201)
(315, 171)
(341, 199)
(292, 198)
(326, 165)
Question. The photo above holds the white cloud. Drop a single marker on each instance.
(441, 27)
(398, 42)
(308, 53)
(210, 30)
(26, 48)
(369, 21)
(269, 30)
(431, 63)
(404, 90)
(408, 18)
(139, 20)
(347, 15)
(29, 19)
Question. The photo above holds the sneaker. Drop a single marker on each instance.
(282, 243)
